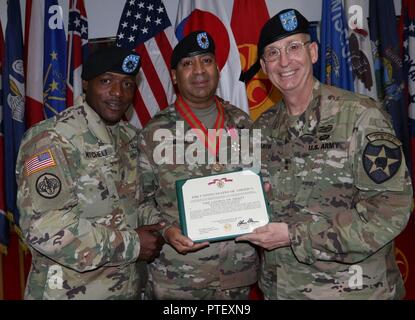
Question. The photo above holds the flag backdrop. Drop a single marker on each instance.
(77, 49)
(313, 29)
(407, 32)
(361, 49)
(13, 86)
(4, 224)
(405, 242)
(212, 16)
(45, 40)
(145, 27)
(335, 68)
(14, 102)
(54, 59)
(388, 66)
(45, 53)
(34, 61)
(260, 91)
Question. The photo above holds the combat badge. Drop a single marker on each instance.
(48, 185)
(382, 156)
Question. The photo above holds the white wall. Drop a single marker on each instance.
(104, 15)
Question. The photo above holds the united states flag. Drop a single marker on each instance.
(145, 27)
(77, 49)
(39, 162)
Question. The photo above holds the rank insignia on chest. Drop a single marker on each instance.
(382, 156)
(133, 145)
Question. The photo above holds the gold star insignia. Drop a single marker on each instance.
(54, 55)
(381, 155)
(53, 85)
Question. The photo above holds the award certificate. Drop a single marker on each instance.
(223, 206)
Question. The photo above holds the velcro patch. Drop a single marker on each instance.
(382, 156)
(39, 162)
(48, 185)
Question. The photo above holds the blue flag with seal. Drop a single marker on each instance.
(4, 223)
(388, 67)
(14, 103)
(54, 60)
(335, 66)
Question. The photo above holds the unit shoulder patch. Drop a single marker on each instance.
(48, 185)
(382, 156)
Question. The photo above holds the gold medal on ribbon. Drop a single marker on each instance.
(211, 143)
(217, 167)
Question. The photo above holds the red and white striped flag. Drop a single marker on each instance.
(77, 49)
(145, 27)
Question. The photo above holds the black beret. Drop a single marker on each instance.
(113, 59)
(195, 43)
(285, 23)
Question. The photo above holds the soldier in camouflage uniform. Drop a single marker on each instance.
(219, 270)
(77, 178)
(340, 190)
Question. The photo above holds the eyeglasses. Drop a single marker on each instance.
(293, 49)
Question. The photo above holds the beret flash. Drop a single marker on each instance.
(195, 43)
(111, 59)
(284, 24)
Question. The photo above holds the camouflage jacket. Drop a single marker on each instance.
(340, 182)
(77, 185)
(223, 264)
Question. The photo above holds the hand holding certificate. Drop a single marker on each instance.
(223, 206)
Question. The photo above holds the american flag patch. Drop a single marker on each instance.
(39, 162)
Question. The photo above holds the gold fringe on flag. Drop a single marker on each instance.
(18, 231)
(3, 249)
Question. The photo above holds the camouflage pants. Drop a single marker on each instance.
(211, 293)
